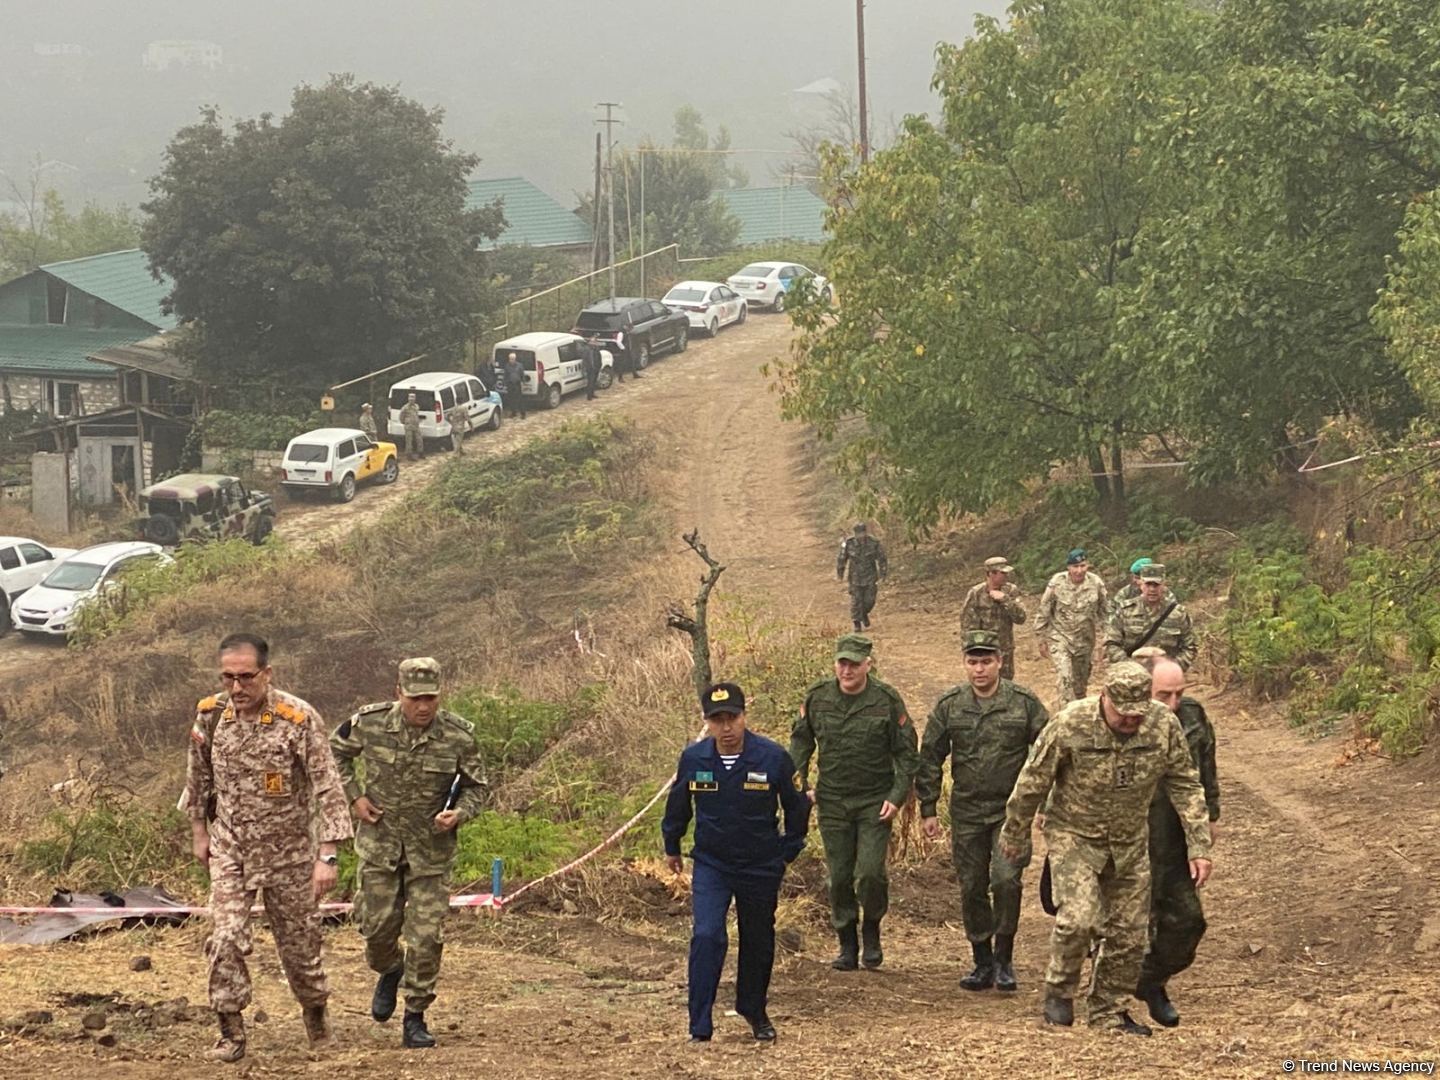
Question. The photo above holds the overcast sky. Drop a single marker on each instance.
(518, 80)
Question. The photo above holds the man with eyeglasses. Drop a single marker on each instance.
(259, 769)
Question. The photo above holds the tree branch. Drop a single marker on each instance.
(677, 618)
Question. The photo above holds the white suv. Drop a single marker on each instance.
(336, 460)
(437, 392)
(23, 563)
(48, 610)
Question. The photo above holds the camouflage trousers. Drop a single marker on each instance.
(857, 844)
(862, 602)
(1177, 919)
(294, 920)
(392, 902)
(1098, 896)
(414, 441)
(457, 440)
(989, 882)
(1072, 671)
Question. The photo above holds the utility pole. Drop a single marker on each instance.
(864, 112)
(595, 216)
(610, 122)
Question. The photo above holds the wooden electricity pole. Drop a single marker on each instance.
(864, 110)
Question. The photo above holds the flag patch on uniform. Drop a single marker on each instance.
(903, 718)
(758, 777)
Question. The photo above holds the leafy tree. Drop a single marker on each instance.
(323, 245)
(43, 230)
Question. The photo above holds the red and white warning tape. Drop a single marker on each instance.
(468, 900)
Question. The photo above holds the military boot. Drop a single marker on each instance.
(983, 977)
(382, 1002)
(857, 625)
(849, 958)
(417, 1036)
(873, 956)
(1158, 1002)
(1059, 1011)
(230, 1047)
(317, 1026)
(1131, 1027)
(1004, 971)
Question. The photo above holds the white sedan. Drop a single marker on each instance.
(23, 562)
(707, 304)
(770, 284)
(48, 610)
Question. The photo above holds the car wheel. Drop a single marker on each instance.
(779, 302)
(826, 296)
(5, 616)
(744, 313)
(682, 340)
(604, 380)
(493, 424)
(714, 327)
(263, 528)
(346, 490)
(162, 530)
(642, 356)
(552, 397)
(391, 472)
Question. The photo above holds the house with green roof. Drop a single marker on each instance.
(776, 213)
(531, 216)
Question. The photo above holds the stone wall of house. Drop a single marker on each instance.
(32, 391)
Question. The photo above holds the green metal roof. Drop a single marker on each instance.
(120, 278)
(531, 216)
(776, 213)
(49, 351)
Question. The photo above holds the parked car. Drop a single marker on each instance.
(335, 460)
(48, 609)
(634, 329)
(437, 392)
(553, 364)
(707, 304)
(23, 563)
(204, 506)
(769, 284)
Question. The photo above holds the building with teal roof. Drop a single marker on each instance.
(776, 213)
(532, 217)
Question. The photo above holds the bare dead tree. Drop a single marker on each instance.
(677, 618)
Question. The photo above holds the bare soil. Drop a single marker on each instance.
(1324, 938)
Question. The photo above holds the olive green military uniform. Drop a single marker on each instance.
(410, 420)
(405, 860)
(1131, 621)
(1177, 919)
(459, 420)
(987, 741)
(864, 558)
(1099, 787)
(867, 755)
(982, 611)
(367, 425)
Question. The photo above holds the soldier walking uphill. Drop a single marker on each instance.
(867, 759)
(865, 558)
(994, 605)
(985, 726)
(259, 769)
(422, 779)
(1099, 762)
(1131, 590)
(1155, 617)
(1071, 607)
(410, 420)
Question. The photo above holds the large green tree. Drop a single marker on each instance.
(322, 245)
(42, 229)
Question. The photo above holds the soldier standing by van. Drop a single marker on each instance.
(410, 420)
(367, 422)
(459, 420)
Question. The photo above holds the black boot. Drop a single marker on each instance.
(231, 1046)
(1059, 1011)
(762, 1028)
(417, 1036)
(1132, 1027)
(382, 1002)
(873, 956)
(849, 958)
(1004, 972)
(983, 977)
(857, 625)
(1158, 1002)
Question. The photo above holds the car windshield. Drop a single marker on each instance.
(684, 295)
(424, 398)
(74, 576)
(756, 270)
(308, 453)
(600, 320)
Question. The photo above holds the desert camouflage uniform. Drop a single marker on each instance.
(404, 860)
(982, 611)
(1067, 619)
(1096, 829)
(459, 420)
(865, 557)
(258, 781)
(367, 425)
(410, 418)
(1130, 621)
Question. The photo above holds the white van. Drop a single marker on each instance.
(437, 392)
(553, 363)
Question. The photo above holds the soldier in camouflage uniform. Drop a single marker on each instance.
(1071, 607)
(410, 419)
(865, 557)
(985, 726)
(1099, 763)
(1155, 617)
(867, 758)
(423, 778)
(259, 770)
(994, 604)
(1132, 590)
(367, 422)
(1177, 919)
(459, 420)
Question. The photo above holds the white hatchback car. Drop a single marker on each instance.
(23, 562)
(708, 304)
(769, 284)
(48, 609)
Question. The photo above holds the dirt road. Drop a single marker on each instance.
(1324, 934)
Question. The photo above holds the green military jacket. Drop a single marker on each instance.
(868, 750)
(1200, 735)
(987, 742)
(865, 557)
(981, 611)
(1130, 621)
(1100, 786)
(409, 776)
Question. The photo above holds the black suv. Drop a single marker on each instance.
(632, 329)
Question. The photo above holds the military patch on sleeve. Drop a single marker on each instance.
(903, 719)
(197, 734)
(344, 730)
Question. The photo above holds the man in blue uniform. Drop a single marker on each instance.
(731, 783)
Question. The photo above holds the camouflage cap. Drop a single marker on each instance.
(999, 562)
(980, 641)
(1152, 572)
(1140, 564)
(1127, 685)
(853, 647)
(419, 675)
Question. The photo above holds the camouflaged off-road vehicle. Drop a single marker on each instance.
(204, 506)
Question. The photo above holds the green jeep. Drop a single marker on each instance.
(204, 506)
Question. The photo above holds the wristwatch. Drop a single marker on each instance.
(333, 860)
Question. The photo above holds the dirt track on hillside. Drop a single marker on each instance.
(1324, 926)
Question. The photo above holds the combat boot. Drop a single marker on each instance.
(417, 1036)
(1131, 1027)
(230, 1047)
(317, 1027)
(849, 958)
(1158, 1002)
(382, 1002)
(1059, 1011)
(1004, 971)
(983, 977)
(873, 956)
(857, 625)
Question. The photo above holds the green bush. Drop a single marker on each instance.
(512, 731)
(111, 845)
(531, 844)
(235, 430)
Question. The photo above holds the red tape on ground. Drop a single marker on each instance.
(468, 900)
